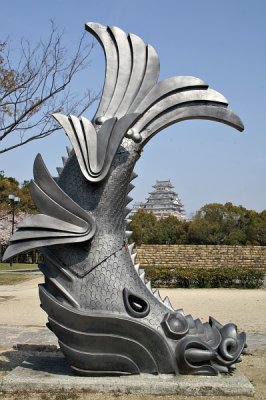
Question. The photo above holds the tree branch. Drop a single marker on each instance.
(38, 85)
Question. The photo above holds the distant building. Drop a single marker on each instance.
(162, 202)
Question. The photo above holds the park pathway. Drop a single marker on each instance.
(22, 321)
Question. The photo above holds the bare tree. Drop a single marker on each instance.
(37, 85)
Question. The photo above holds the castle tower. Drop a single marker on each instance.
(162, 201)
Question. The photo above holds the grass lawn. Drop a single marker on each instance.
(5, 266)
(11, 279)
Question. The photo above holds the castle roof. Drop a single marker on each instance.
(163, 201)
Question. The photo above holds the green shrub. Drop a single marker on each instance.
(175, 277)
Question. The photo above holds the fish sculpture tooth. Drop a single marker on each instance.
(128, 199)
(98, 308)
(167, 303)
(64, 159)
(126, 211)
(69, 150)
(142, 276)
(148, 286)
(130, 187)
(131, 247)
(133, 176)
(157, 295)
(133, 257)
(127, 221)
(59, 170)
(129, 234)
(136, 266)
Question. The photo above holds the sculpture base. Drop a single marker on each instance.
(52, 373)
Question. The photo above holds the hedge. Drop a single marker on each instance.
(176, 277)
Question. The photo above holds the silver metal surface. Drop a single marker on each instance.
(107, 318)
(63, 220)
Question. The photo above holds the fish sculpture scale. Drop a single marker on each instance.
(106, 316)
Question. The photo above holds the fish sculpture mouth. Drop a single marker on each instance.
(106, 316)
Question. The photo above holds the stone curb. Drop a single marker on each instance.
(51, 373)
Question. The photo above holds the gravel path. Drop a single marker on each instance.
(22, 323)
(22, 320)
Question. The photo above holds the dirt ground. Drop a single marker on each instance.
(19, 305)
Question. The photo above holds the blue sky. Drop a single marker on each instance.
(222, 42)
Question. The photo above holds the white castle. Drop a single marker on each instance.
(162, 202)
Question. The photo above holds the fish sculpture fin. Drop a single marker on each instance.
(62, 220)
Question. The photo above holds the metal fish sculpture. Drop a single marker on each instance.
(108, 319)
